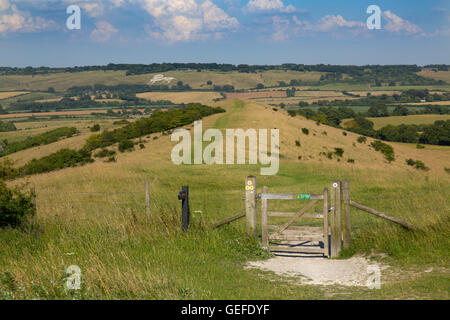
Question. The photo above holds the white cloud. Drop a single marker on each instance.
(4, 5)
(269, 5)
(103, 31)
(399, 25)
(334, 23)
(14, 20)
(187, 20)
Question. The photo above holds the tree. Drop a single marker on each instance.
(260, 86)
(400, 111)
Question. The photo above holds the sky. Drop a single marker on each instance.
(35, 33)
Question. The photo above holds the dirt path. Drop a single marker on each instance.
(355, 271)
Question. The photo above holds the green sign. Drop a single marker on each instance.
(303, 196)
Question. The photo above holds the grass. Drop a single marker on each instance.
(122, 254)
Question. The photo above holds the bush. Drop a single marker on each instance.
(305, 131)
(126, 145)
(59, 160)
(351, 160)
(15, 207)
(417, 164)
(95, 128)
(104, 153)
(362, 139)
(142, 146)
(344, 133)
(297, 143)
(419, 146)
(385, 149)
(339, 152)
(6, 170)
(7, 126)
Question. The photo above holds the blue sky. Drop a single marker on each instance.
(33, 32)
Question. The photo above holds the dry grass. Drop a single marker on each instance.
(181, 97)
(10, 94)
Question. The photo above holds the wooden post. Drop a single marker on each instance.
(147, 199)
(264, 220)
(183, 195)
(33, 201)
(325, 223)
(347, 217)
(335, 219)
(250, 206)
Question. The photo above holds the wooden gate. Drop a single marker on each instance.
(294, 239)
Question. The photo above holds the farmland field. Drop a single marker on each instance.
(10, 94)
(205, 97)
(411, 119)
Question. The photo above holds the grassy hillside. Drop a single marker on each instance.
(94, 217)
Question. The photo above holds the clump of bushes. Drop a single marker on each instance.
(7, 126)
(417, 164)
(385, 149)
(121, 122)
(126, 145)
(305, 131)
(15, 207)
(95, 128)
(362, 139)
(104, 153)
(339, 152)
(59, 160)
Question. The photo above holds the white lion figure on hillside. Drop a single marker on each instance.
(160, 77)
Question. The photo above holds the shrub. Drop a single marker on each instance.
(274, 109)
(297, 143)
(142, 146)
(419, 146)
(351, 160)
(305, 131)
(339, 152)
(417, 164)
(105, 153)
(7, 126)
(59, 160)
(447, 170)
(385, 149)
(111, 159)
(362, 139)
(6, 170)
(126, 145)
(344, 133)
(15, 207)
(121, 122)
(292, 113)
(95, 128)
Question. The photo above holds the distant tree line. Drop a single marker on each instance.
(376, 74)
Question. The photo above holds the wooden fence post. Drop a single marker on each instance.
(347, 218)
(335, 219)
(325, 223)
(147, 199)
(250, 206)
(33, 201)
(264, 220)
(183, 195)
